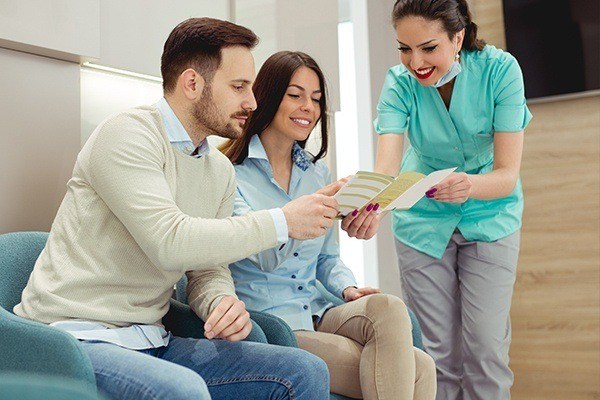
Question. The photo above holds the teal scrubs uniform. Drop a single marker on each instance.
(458, 261)
(488, 97)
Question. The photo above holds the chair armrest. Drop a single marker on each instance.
(32, 347)
(276, 330)
(181, 321)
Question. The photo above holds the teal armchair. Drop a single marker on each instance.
(33, 350)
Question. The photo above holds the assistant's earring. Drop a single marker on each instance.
(457, 56)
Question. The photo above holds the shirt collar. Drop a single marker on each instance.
(299, 156)
(176, 133)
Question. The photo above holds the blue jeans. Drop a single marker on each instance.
(203, 369)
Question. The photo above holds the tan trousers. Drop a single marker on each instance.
(367, 345)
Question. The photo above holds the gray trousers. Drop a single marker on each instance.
(462, 302)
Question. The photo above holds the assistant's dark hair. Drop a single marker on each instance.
(196, 43)
(269, 88)
(454, 15)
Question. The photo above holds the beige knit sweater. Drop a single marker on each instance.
(138, 214)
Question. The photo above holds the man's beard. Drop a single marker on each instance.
(207, 117)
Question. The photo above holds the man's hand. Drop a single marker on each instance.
(362, 225)
(229, 320)
(333, 188)
(351, 293)
(310, 216)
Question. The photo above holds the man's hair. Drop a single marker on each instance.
(196, 43)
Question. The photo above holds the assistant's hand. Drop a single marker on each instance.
(310, 216)
(362, 225)
(351, 293)
(229, 320)
(456, 188)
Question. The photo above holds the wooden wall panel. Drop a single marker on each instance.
(555, 352)
(555, 315)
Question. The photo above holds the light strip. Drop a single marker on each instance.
(122, 72)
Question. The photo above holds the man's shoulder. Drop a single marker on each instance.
(220, 160)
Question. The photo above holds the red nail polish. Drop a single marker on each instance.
(354, 213)
(369, 207)
(376, 207)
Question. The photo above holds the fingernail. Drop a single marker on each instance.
(209, 335)
(376, 207)
(369, 207)
(430, 192)
(354, 213)
(207, 327)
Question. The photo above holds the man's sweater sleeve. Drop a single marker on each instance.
(125, 168)
(207, 286)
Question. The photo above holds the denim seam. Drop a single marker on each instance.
(284, 382)
(147, 389)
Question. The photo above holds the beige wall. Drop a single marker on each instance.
(39, 133)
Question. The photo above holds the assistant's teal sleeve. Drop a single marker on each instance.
(394, 104)
(510, 111)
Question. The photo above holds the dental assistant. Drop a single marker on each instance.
(462, 104)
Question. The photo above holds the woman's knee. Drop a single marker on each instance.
(387, 308)
(424, 366)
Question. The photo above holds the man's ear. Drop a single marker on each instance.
(191, 84)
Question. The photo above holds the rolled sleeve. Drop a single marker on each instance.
(331, 270)
(510, 110)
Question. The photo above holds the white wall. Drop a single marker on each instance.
(133, 31)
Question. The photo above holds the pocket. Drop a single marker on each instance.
(503, 252)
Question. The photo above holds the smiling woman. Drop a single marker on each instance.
(461, 104)
(272, 169)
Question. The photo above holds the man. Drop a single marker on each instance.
(149, 200)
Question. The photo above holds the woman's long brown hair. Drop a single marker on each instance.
(269, 88)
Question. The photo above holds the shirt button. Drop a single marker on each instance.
(293, 276)
(300, 288)
(295, 254)
(455, 148)
(305, 307)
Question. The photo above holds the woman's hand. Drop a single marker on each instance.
(456, 188)
(362, 225)
(351, 293)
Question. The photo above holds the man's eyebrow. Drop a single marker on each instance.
(301, 88)
(241, 80)
(422, 44)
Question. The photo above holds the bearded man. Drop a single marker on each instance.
(150, 200)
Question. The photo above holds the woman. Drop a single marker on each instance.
(462, 103)
(366, 342)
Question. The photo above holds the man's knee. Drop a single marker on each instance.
(184, 385)
(310, 372)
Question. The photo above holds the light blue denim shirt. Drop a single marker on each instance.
(138, 337)
(281, 281)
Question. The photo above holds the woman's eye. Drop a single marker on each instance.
(294, 96)
(316, 100)
(238, 88)
(429, 49)
(404, 49)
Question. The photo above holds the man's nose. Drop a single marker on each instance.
(250, 103)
